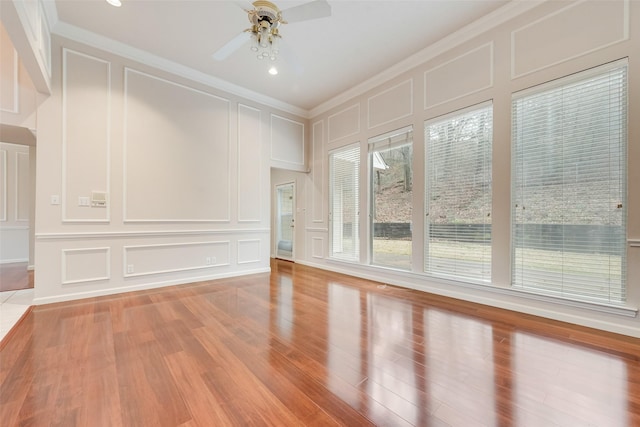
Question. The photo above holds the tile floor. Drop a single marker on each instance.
(13, 304)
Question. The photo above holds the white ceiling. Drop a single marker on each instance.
(320, 59)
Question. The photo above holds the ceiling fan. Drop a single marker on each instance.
(264, 33)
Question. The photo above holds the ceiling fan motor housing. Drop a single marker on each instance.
(265, 11)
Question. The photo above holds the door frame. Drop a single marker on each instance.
(276, 188)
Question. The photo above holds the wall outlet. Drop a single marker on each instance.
(55, 200)
(210, 260)
(83, 201)
(129, 268)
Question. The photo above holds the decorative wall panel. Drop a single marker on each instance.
(317, 171)
(575, 30)
(464, 75)
(249, 164)
(144, 260)
(22, 186)
(392, 104)
(176, 152)
(85, 265)
(317, 247)
(249, 251)
(287, 141)
(86, 121)
(344, 123)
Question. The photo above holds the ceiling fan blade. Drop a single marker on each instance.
(312, 10)
(231, 46)
(244, 4)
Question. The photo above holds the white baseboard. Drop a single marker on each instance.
(142, 287)
(13, 261)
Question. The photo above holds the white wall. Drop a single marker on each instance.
(185, 169)
(480, 63)
(18, 100)
(15, 196)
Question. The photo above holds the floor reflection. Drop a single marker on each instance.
(459, 353)
(284, 307)
(561, 384)
(344, 359)
(406, 361)
(391, 375)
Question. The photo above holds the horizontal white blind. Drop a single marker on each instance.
(569, 187)
(344, 172)
(458, 196)
(391, 139)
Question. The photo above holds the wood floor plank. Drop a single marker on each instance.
(249, 400)
(303, 346)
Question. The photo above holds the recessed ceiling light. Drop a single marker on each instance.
(273, 71)
(116, 3)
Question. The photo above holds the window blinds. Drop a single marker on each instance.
(458, 195)
(569, 186)
(344, 170)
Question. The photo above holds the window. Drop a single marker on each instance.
(569, 186)
(458, 195)
(391, 186)
(344, 169)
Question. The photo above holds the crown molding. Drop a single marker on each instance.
(92, 39)
(476, 28)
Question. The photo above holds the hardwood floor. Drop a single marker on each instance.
(302, 346)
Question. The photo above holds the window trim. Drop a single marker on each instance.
(330, 187)
(488, 104)
(375, 144)
(575, 299)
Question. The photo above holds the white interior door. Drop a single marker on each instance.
(285, 220)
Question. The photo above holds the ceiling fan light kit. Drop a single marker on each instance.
(265, 19)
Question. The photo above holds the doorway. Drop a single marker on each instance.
(285, 221)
